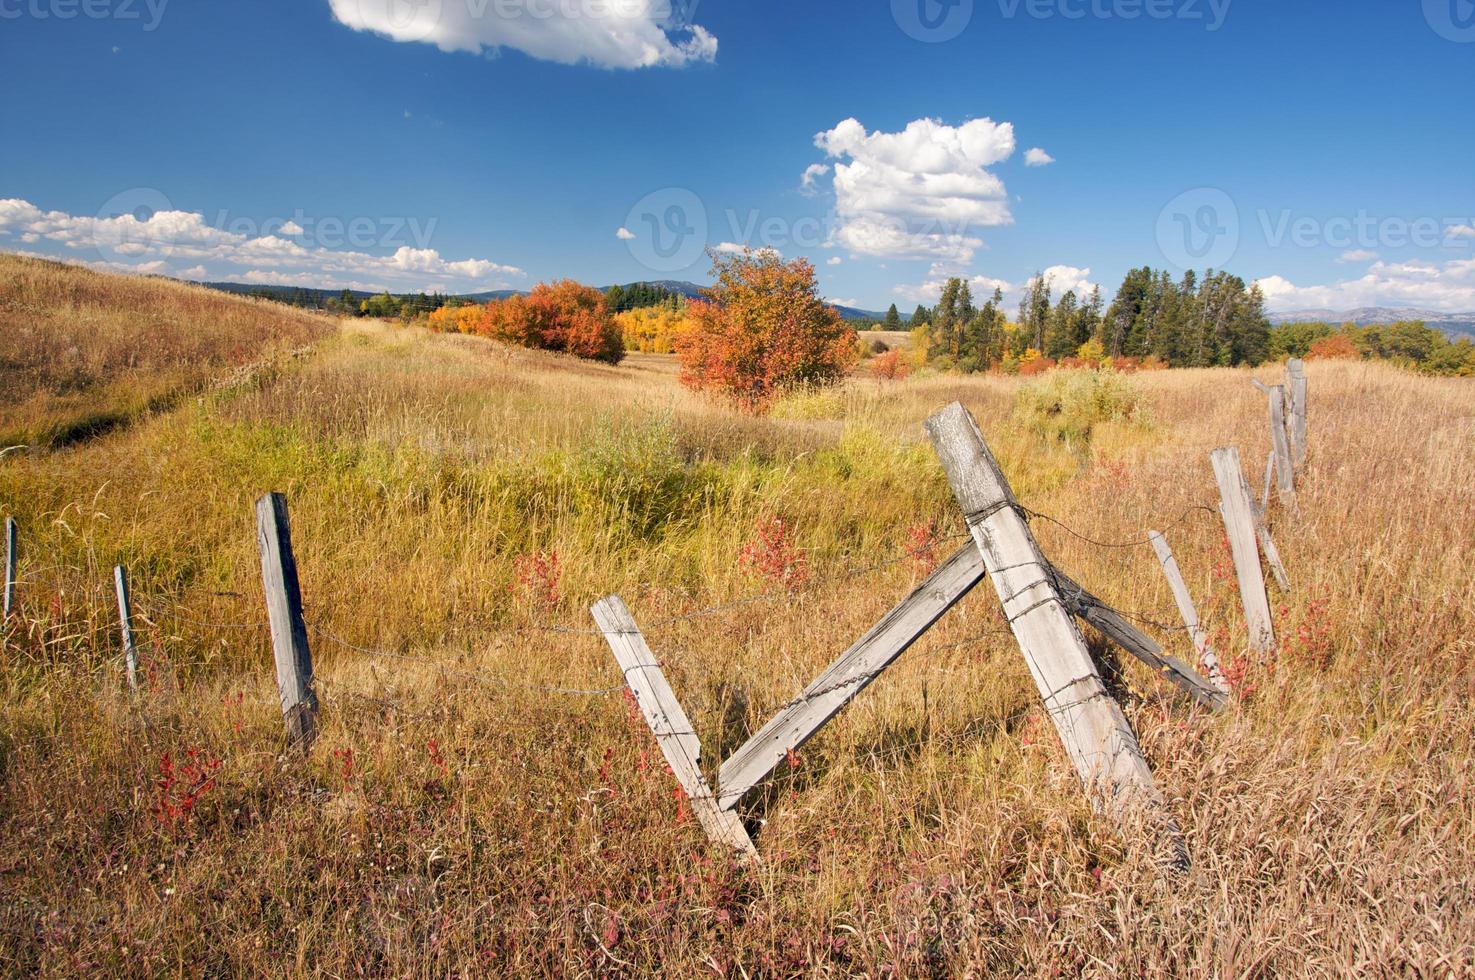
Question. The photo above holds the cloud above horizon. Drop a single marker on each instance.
(920, 192)
(1443, 288)
(184, 245)
(603, 33)
(1062, 279)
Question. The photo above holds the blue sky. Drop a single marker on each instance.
(1322, 148)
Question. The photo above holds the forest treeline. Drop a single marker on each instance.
(1153, 321)
(1209, 320)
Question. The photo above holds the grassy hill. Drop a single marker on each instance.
(471, 808)
(82, 352)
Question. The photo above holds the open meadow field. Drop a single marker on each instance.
(483, 799)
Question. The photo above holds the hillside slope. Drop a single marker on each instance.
(81, 352)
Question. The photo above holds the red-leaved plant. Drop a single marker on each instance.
(772, 555)
(182, 784)
(539, 577)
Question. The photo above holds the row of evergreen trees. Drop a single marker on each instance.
(1188, 322)
(638, 295)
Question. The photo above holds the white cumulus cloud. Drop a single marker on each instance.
(624, 234)
(1036, 157)
(833, 260)
(919, 192)
(1357, 255)
(604, 33)
(1446, 288)
(812, 173)
(1062, 279)
(182, 243)
(737, 248)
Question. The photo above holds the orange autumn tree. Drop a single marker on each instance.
(761, 330)
(1334, 347)
(562, 316)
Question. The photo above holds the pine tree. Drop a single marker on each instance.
(1034, 311)
(893, 319)
(1060, 335)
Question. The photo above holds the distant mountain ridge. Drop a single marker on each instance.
(1450, 323)
(688, 289)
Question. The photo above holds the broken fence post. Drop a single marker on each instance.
(125, 625)
(1095, 732)
(673, 730)
(1296, 387)
(1238, 511)
(1181, 596)
(10, 559)
(288, 629)
(1285, 470)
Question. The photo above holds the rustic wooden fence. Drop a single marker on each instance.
(1042, 605)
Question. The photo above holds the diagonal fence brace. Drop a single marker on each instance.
(855, 669)
(673, 730)
(1114, 626)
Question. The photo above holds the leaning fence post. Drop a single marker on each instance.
(1091, 724)
(10, 560)
(1285, 470)
(674, 733)
(288, 629)
(1238, 511)
(1296, 370)
(125, 624)
(1184, 599)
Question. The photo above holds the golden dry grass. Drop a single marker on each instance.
(82, 352)
(454, 818)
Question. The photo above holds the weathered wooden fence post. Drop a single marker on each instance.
(10, 559)
(1296, 371)
(1095, 732)
(125, 624)
(673, 730)
(288, 629)
(1285, 469)
(1184, 599)
(1238, 511)
(1265, 486)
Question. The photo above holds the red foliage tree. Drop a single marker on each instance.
(563, 316)
(1334, 347)
(763, 329)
